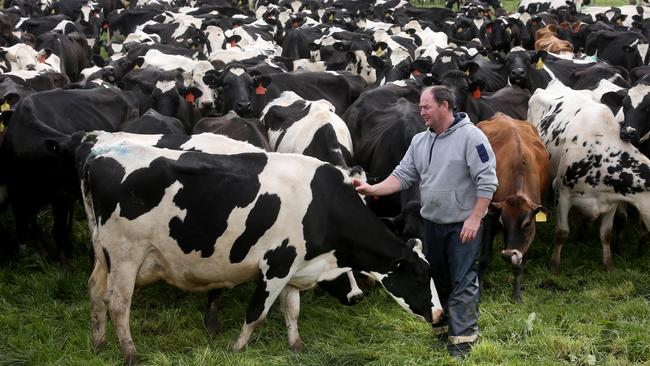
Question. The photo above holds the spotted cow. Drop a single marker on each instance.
(593, 170)
(285, 221)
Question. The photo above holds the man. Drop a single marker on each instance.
(455, 165)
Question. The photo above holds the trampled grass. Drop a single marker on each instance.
(585, 316)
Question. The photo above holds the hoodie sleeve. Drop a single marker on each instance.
(482, 163)
(406, 172)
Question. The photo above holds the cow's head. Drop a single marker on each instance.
(636, 108)
(358, 64)
(170, 98)
(518, 64)
(498, 34)
(238, 88)
(517, 216)
(409, 282)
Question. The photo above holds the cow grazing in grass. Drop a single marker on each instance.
(523, 170)
(201, 221)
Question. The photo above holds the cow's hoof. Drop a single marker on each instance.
(235, 347)
(212, 325)
(131, 359)
(297, 346)
(99, 345)
(555, 268)
(609, 267)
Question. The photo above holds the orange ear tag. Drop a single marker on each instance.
(41, 59)
(477, 93)
(416, 73)
(189, 97)
(233, 44)
(260, 90)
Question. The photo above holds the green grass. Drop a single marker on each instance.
(584, 316)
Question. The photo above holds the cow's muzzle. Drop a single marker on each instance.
(513, 256)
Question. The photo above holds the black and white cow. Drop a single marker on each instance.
(311, 128)
(635, 103)
(284, 220)
(593, 169)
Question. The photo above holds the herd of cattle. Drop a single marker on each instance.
(133, 100)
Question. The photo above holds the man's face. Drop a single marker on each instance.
(432, 113)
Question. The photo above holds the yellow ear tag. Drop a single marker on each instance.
(379, 52)
(459, 30)
(331, 17)
(619, 22)
(540, 64)
(466, 72)
(52, 12)
(136, 67)
(4, 107)
(540, 217)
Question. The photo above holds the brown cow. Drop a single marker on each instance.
(546, 39)
(523, 172)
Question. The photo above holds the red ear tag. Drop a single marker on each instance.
(477, 93)
(235, 26)
(295, 24)
(233, 44)
(41, 59)
(105, 26)
(189, 97)
(488, 29)
(260, 90)
(416, 72)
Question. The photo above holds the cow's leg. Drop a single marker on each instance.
(63, 212)
(266, 292)
(490, 227)
(561, 230)
(606, 224)
(620, 219)
(211, 320)
(121, 282)
(290, 302)
(97, 283)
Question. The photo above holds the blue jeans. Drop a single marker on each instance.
(454, 269)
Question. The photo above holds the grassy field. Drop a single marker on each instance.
(584, 316)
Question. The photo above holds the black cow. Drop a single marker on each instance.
(36, 178)
(232, 125)
(73, 50)
(626, 49)
(153, 123)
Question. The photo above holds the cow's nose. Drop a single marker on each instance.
(243, 107)
(517, 73)
(30, 67)
(513, 256)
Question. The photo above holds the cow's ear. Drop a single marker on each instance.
(191, 93)
(212, 78)
(423, 65)
(614, 99)
(314, 46)
(137, 63)
(390, 223)
(11, 99)
(263, 80)
(497, 56)
(543, 209)
(629, 49)
(376, 62)
(541, 54)
(471, 67)
(639, 10)
(45, 52)
(54, 147)
(430, 80)
(478, 83)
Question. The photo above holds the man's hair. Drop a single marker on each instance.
(441, 94)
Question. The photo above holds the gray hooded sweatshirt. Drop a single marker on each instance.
(453, 168)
